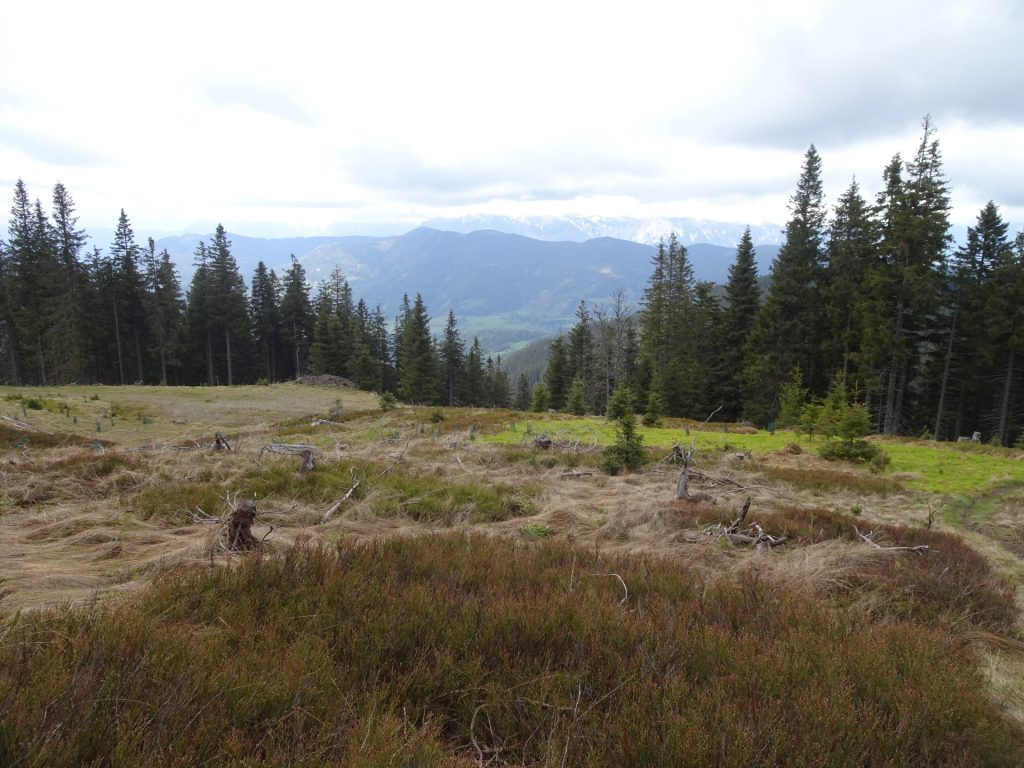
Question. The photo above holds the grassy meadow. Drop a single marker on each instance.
(438, 591)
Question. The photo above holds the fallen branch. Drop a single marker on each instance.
(305, 451)
(751, 536)
(625, 589)
(220, 443)
(22, 426)
(575, 473)
(337, 504)
(866, 538)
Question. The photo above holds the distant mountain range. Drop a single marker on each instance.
(505, 288)
(580, 228)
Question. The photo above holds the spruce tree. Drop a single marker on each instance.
(475, 387)
(266, 320)
(229, 311)
(914, 216)
(418, 365)
(523, 393)
(788, 330)
(129, 300)
(851, 252)
(165, 310)
(452, 361)
(742, 299)
(297, 319)
(556, 374)
(69, 322)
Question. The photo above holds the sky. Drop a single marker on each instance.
(304, 119)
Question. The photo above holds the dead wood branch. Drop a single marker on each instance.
(682, 491)
(625, 589)
(867, 538)
(336, 505)
(305, 451)
(21, 426)
(220, 443)
(751, 536)
(569, 474)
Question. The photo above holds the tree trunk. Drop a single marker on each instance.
(1004, 409)
(945, 377)
(117, 339)
(227, 352)
(42, 360)
(892, 391)
(163, 359)
(209, 358)
(295, 339)
(138, 354)
(14, 358)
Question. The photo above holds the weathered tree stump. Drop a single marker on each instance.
(220, 443)
(304, 451)
(238, 530)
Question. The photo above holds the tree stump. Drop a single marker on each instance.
(238, 532)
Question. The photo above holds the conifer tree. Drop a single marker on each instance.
(69, 321)
(914, 217)
(788, 329)
(229, 310)
(128, 299)
(266, 320)
(418, 366)
(452, 361)
(851, 252)
(475, 386)
(165, 309)
(556, 374)
(297, 319)
(742, 297)
(523, 393)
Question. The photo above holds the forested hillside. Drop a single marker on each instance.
(870, 293)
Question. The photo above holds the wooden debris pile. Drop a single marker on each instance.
(750, 536)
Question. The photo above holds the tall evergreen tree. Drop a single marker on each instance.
(452, 360)
(418, 366)
(129, 299)
(742, 297)
(229, 310)
(166, 311)
(266, 320)
(789, 325)
(297, 319)
(556, 374)
(851, 252)
(475, 390)
(69, 321)
(914, 216)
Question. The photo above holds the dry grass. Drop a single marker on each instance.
(81, 520)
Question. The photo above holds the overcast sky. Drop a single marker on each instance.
(299, 117)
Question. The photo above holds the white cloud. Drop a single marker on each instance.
(307, 115)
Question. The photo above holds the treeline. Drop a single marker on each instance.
(870, 294)
(70, 314)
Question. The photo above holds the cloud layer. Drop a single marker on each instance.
(306, 118)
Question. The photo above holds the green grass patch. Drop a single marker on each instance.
(947, 468)
(434, 650)
(942, 468)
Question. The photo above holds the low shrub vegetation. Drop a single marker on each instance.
(452, 651)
